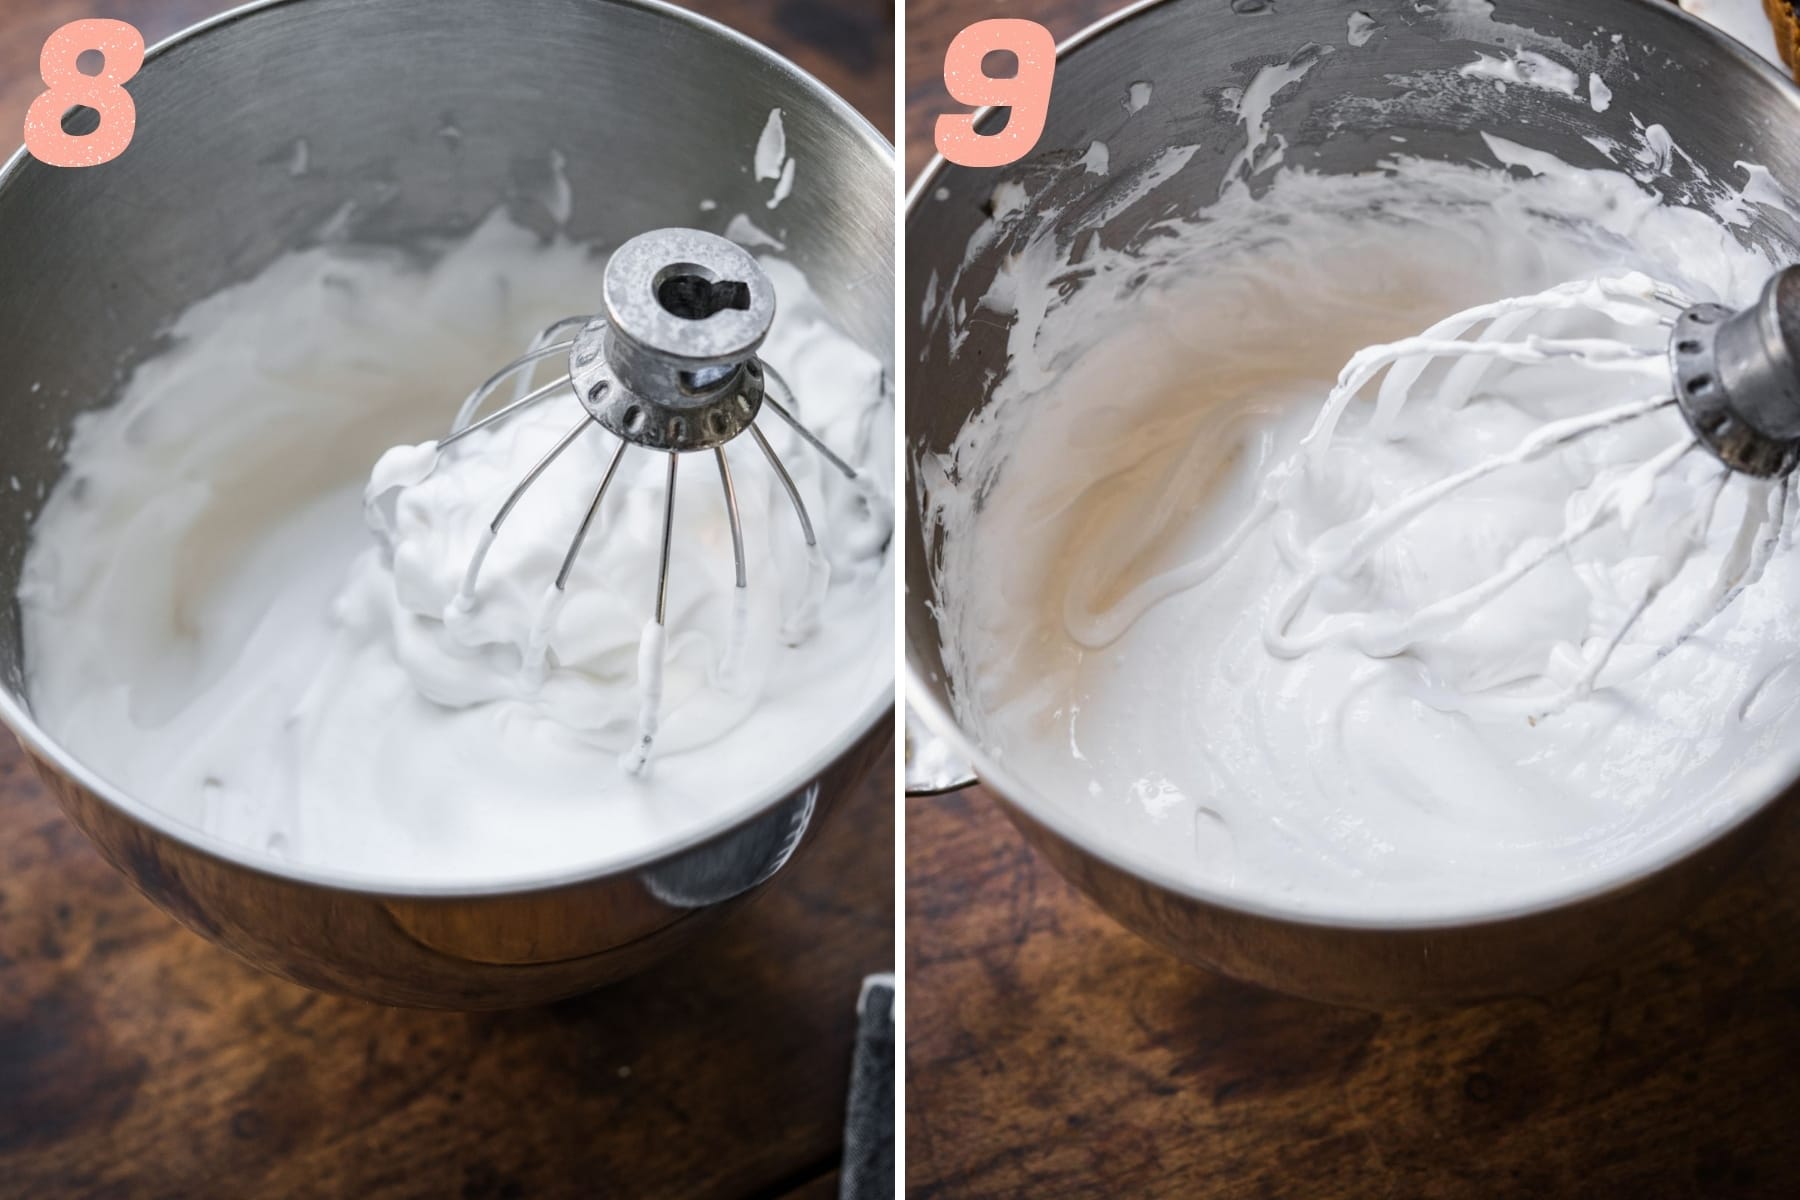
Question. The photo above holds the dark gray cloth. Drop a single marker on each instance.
(868, 1172)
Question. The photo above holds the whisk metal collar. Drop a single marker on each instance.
(1737, 378)
(670, 364)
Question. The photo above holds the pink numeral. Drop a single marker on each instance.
(1026, 93)
(122, 47)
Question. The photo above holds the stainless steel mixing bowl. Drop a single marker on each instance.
(1717, 100)
(424, 115)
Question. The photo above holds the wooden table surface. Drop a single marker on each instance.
(1052, 1054)
(138, 1061)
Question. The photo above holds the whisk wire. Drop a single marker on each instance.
(587, 520)
(545, 337)
(787, 483)
(1406, 360)
(731, 514)
(512, 500)
(806, 434)
(1382, 639)
(479, 396)
(1384, 522)
(668, 541)
(1773, 527)
(499, 414)
(1665, 576)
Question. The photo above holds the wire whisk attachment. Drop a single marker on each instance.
(1733, 376)
(669, 366)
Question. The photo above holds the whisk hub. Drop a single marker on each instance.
(670, 364)
(1736, 378)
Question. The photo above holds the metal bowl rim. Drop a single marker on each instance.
(15, 715)
(1016, 795)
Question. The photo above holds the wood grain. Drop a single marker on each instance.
(138, 1061)
(1050, 1053)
